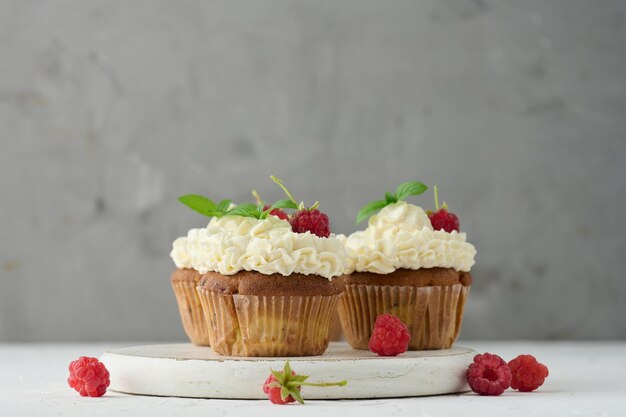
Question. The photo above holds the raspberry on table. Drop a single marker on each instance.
(313, 221)
(88, 376)
(272, 388)
(289, 382)
(488, 375)
(527, 373)
(390, 337)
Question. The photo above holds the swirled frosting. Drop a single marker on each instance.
(401, 236)
(231, 244)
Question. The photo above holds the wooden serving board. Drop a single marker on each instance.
(185, 370)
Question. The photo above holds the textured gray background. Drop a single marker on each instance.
(110, 110)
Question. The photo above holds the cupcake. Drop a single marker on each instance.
(184, 282)
(409, 264)
(269, 285)
(185, 278)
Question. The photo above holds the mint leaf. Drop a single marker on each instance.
(390, 198)
(284, 204)
(403, 191)
(202, 205)
(223, 206)
(244, 210)
(410, 188)
(369, 209)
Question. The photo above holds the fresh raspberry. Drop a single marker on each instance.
(277, 212)
(289, 382)
(390, 336)
(306, 219)
(313, 221)
(528, 374)
(488, 375)
(88, 376)
(272, 388)
(442, 219)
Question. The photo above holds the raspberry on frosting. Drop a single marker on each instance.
(441, 218)
(313, 221)
(306, 219)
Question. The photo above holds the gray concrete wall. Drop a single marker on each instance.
(110, 110)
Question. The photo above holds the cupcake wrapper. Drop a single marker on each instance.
(191, 312)
(250, 325)
(433, 315)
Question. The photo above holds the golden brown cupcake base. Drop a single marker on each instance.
(251, 314)
(184, 283)
(428, 301)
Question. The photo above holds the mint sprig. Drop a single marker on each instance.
(256, 211)
(205, 205)
(404, 190)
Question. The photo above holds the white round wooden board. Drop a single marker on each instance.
(185, 370)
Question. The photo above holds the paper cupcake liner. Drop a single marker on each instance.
(250, 325)
(433, 315)
(191, 312)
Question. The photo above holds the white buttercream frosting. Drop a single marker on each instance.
(401, 236)
(231, 244)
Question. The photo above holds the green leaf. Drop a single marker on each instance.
(202, 205)
(223, 206)
(369, 209)
(287, 370)
(244, 210)
(295, 393)
(390, 198)
(280, 377)
(284, 204)
(410, 188)
(284, 392)
(297, 379)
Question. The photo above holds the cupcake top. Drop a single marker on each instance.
(231, 244)
(401, 236)
(261, 238)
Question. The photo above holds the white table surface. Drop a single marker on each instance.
(586, 379)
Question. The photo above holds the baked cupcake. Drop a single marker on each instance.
(269, 285)
(185, 278)
(184, 283)
(401, 265)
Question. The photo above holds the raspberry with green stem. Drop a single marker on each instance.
(301, 205)
(306, 219)
(275, 212)
(283, 387)
(441, 218)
